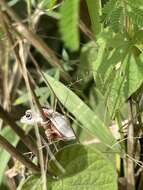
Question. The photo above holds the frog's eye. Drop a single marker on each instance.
(29, 116)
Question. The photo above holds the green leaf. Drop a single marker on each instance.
(108, 7)
(116, 19)
(4, 155)
(117, 71)
(134, 74)
(114, 15)
(86, 168)
(69, 23)
(47, 4)
(125, 83)
(42, 92)
(100, 109)
(108, 55)
(94, 10)
(136, 14)
(82, 112)
(85, 65)
(31, 183)
(13, 2)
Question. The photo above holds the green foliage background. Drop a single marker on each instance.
(84, 59)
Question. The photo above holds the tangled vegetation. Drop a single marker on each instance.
(82, 59)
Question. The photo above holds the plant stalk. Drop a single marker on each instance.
(130, 152)
(16, 154)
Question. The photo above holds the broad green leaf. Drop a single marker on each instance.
(134, 73)
(32, 183)
(108, 56)
(117, 71)
(85, 168)
(125, 83)
(4, 155)
(82, 112)
(114, 94)
(100, 109)
(69, 23)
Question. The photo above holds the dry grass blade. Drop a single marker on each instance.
(35, 100)
(130, 152)
(20, 59)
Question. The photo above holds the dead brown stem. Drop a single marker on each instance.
(16, 154)
(130, 152)
(86, 30)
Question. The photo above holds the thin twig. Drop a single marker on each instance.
(36, 101)
(130, 152)
(19, 55)
(16, 154)
(20, 62)
(86, 30)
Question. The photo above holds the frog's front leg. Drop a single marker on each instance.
(53, 134)
(46, 124)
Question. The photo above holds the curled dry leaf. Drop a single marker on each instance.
(17, 169)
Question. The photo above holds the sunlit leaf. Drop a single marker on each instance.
(85, 168)
(69, 23)
(47, 4)
(116, 70)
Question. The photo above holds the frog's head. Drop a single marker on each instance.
(31, 118)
